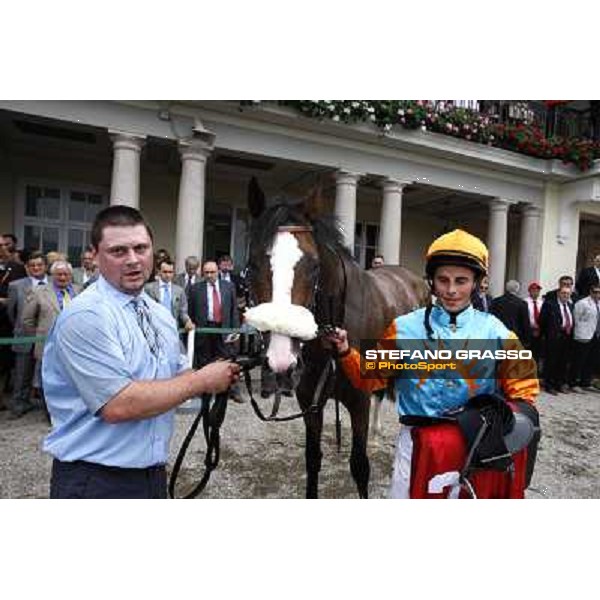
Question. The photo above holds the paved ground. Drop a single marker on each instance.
(261, 460)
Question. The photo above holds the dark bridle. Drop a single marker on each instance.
(322, 306)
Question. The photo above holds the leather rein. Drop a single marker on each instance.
(212, 417)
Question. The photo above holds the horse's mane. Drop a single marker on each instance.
(327, 232)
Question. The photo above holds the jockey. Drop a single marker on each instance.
(455, 263)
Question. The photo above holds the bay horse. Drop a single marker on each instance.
(301, 275)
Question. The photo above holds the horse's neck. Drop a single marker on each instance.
(373, 301)
(351, 293)
(365, 317)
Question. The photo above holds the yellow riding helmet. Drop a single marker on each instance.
(457, 248)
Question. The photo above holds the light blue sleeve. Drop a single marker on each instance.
(89, 349)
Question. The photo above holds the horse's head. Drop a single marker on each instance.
(284, 266)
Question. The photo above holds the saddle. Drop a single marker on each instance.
(493, 434)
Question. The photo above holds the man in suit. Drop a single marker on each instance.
(480, 298)
(588, 277)
(534, 307)
(43, 306)
(170, 295)
(88, 270)
(225, 264)
(18, 292)
(565, 281)
(9, 271)
(512, 311)
(212, 304)
(556, 326)
(190, 277)
(586, 341)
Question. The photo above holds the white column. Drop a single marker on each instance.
(529, 247)
(125, 184)
(497, 240)
(390, 224)
(190, 208)
(345, 204)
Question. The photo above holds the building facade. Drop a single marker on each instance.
(187, 165)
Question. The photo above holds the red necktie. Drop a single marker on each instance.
(536, 313)
(567, 319)
(216, 305)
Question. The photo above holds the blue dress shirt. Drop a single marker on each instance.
(94, 350)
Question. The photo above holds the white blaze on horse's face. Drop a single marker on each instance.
(285, 254)
(282, 318)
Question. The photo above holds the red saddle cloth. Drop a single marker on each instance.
(441, 449)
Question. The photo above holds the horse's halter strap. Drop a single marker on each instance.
(295, 229)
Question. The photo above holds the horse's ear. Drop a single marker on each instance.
(313, 203)
(256, 199)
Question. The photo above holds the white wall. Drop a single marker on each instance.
(559, 255)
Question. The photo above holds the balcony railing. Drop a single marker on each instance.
(550, 130)
(570, 119)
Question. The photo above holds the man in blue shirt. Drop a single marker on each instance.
(113, 373)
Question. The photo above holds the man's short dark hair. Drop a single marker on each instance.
(167, 261)
(117, 215)
(12, 237)
(564, 278)
(224, 257)
(35, 254)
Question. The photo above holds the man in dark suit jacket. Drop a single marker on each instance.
(556, 327)
(225, 264)
(212, 304)
(588, 277)
(480, 298)
(565, 281)
(9, 271)
(18, 293)
(512, 311)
